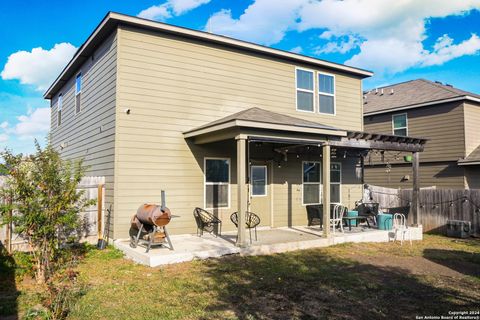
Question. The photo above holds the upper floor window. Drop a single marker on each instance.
(217, 183)
(326, 93)
(59, 109)
(305, 88)
(78, 93)
(400, 124)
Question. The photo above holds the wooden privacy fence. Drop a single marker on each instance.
(436, 205)
(91, 218)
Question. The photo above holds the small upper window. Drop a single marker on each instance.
(400, 124)
(305, 90)
(78, 93)
(59, 109)
(326, 93)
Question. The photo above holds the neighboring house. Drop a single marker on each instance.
(448, 117)
(151, 106)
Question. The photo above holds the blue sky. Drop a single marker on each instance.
(398, 40)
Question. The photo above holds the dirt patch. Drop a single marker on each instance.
(414, 265)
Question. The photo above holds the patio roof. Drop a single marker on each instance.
(472, 159)
(262, 125)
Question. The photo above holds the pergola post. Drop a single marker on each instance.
(326, 189)
(416, 188)
(242, 196)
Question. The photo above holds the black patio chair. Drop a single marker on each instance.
(206, 221)
(314, 214)
(252, 221)
(368, 210)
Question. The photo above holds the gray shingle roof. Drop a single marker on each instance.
(410, 93)
(474, 156)
(260, 115)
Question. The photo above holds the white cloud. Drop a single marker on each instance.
(35, 124)
(392, 31)
(264, 21)
(38, 67)
(388, 33)
(341, 46)
(170, 8)
(3, 137)
(297, 49)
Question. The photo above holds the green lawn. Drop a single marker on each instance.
(347, 281)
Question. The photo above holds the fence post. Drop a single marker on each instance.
(99, 210)
(8, 239)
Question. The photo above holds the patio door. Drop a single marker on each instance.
(261, 192)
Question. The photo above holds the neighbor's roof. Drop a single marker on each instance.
(113, 19)
(472, 158)
(412, 94)
(260, 118)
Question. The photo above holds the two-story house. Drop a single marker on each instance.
(216, 122)
(448, 117)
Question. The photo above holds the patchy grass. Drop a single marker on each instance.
(374, 280)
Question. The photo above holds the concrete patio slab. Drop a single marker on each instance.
(276, 240)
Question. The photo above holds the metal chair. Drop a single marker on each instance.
(337, 217)
(206, 221)
(251, 221)
(400, 226)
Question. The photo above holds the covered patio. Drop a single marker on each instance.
(282, 143)
(270, 240)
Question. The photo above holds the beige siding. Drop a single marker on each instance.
(442, 124)
(472, 126)
(441, 175)
(172, 85)
(91, 133)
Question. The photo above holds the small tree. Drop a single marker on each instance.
(45, 201)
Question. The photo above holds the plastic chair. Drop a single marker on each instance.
(206, 221)
(252, 221)
(400, 226)
(337, 218)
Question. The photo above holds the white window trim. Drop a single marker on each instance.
(78, 93)
(320, 189)
(334, 94)
(59, 109)
(205, 183)
(321, 183)
(339, 183)
(266, 181)
(305, 90)
(400, 128)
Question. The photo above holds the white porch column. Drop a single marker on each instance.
(416, 188)
(326, 189)
(242, 191)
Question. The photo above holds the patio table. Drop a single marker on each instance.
(357, 218)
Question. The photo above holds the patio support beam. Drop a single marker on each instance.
(242, 196)
(326, 189)
(416, 188)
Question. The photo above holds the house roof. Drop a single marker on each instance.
(263, 116)
(113, 19)
(412, 94)
(472, 158)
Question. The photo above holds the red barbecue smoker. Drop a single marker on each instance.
(148, 226)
